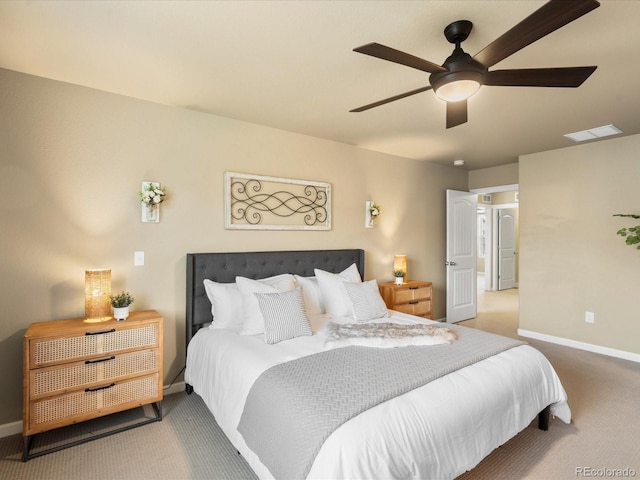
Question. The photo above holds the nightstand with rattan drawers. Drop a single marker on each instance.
(74, 371)
(413, 296)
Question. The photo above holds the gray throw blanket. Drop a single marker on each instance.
(293, 407)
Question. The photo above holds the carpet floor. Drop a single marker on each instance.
(602, 440)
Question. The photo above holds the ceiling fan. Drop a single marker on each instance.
(461, 75)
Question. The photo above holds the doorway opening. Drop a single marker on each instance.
(497, 265)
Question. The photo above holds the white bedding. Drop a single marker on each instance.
(437, 431)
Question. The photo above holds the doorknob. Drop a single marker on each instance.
(450, 263)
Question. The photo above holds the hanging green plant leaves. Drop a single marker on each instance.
(631, 234)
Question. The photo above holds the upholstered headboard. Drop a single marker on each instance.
(224, 267)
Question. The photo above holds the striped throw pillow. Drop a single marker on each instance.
(284, 315)
(366, 299)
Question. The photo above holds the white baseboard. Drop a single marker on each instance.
(612, 352)
(175, 388)
(10, 429)
(16, 427)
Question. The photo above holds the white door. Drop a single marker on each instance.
(506, 248)
(461, 255)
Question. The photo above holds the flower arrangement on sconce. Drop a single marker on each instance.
(371, 212)
(374, 210)
(152, 193)
(631, 234)
(151, 196)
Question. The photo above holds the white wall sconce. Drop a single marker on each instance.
(151, 196)
(371, 212)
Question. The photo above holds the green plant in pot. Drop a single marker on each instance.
(120, 304)
(399, 274)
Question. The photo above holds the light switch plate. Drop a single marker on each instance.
(138, 259)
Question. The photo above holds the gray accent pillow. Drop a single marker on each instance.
(366, 299)
(284, 315)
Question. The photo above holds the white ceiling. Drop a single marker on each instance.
(290, 65)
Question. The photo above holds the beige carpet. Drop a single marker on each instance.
(604, 395)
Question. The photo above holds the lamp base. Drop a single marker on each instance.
(98, 319)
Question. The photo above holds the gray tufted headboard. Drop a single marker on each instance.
(224, 267)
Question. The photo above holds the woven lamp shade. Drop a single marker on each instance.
(400, 264)
(97, 290)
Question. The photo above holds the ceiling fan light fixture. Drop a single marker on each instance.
(458, 90)
(457, 85)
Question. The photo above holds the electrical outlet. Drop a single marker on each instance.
(138, 259)
(589, 317)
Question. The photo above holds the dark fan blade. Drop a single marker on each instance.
(456, 113)
(393, 55)
(391, 99)
(550, 17)
(539, 77)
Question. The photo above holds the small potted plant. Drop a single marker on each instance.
(399, 274)
(120, 304)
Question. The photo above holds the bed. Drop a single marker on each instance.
(436, 430)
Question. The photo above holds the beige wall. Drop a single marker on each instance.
(571, 259)
(494, 176)
(71, 162)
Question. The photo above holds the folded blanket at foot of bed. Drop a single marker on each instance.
(386, 334)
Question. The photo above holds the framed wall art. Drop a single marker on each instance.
(256, 202)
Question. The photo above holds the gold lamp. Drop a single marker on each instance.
(400, 265)
(97, 292)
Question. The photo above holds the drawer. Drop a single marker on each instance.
(92, 343)
(89, 403)
(418, 308)
(409, 294)
(61, 378)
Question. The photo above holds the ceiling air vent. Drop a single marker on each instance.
(592, 133)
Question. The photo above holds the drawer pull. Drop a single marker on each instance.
(101, 333)
(413, 302)
(99, 388)
(413, 288)
(112, 357)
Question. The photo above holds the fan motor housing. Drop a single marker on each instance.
(460, 66)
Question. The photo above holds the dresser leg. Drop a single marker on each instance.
(26, 445)
(157, 407)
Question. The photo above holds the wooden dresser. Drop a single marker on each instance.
(413, 296)
(75, 370)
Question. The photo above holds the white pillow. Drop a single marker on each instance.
(337, 302)
(284, 315)
(226, 305)
(366, 300)
(253, 322)
(311, 294)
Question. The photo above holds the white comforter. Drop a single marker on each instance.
(437, 431)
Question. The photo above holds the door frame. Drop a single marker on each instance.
(491, 280)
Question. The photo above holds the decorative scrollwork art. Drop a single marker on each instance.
(272, 203)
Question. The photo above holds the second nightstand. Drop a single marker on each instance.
(413, 296)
